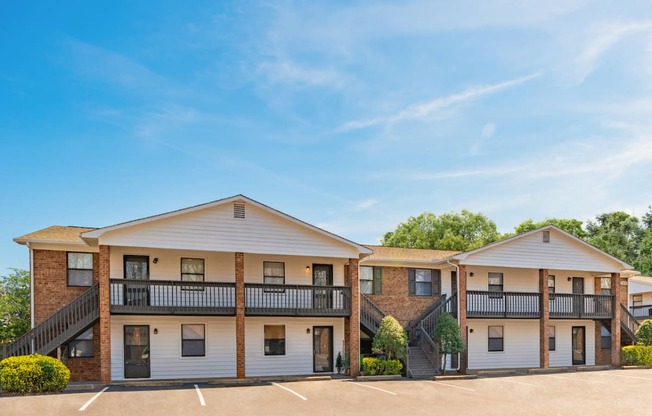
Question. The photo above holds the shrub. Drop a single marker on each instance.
(391, 339)
(448, 337)
(644, 333)
(372, 366)
(636, 355)
(33, 374)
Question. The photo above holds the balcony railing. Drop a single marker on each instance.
(167, 297)
(566, 305)
(297, 300)
(172, 297)
(483, 304)
(641, 311)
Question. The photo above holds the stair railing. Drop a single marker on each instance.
(370, 314)
(628, 322)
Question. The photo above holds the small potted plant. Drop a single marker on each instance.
(339, 364)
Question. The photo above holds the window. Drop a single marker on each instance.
(371, 280)
(605, 337)
(546, 236)
(637, 300)
(192, 270)
(424, 282)
(80, 269)
(274, 339)
(495, 284)
(551, 338)
(495, 338)
(605, 285)
(274, 272)
(193, 340)
(551, 284)
(82, 346)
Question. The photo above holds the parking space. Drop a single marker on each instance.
(605, 392)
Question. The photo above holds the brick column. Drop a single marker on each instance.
(352, 323)
(105, 315)
(461, 299)
(615, 322)
(240, 315)
(544, 322)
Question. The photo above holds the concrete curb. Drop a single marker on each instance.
(455, 377)
(554, 370)
(636, 367)
(379, 378)
(594, 368)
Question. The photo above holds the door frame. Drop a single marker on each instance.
(124, 276)
(322, 297)
(149, 350)
(574, 343)
(330, 267)
(330, 361)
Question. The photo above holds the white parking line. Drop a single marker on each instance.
(618, 375)
(573, 379)
(201, 396)
(451, 385)
(375, 388)
(88, 403)
(290, 390)
(513, 381)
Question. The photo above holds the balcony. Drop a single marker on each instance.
(165, 297)
(641, 311)
(483, 304)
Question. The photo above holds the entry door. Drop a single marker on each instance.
(322, 275)
(136, 344)
(322, 344)
(578, 289)
(136, 268)
(579, 344)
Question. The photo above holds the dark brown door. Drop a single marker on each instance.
(579, 345)
(578, 301)
(136, 344)
(322, 275)
(136, 270)
(322, 344)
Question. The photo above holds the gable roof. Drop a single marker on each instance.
(56, 234)
(399, 254)
(463, 256)
(640, 284)
(97, 233)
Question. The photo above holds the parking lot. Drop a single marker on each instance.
(596, 393)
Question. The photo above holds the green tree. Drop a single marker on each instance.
(449, 231)
(571, 226)
(448, 337)
(644, 333)
(391, 339)
(616, 233)
(14, 305)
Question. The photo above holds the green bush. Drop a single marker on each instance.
(33, 374)
(636, 355)
(391, 339)
(644, 333)
(372, 366)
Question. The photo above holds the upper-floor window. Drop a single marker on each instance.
(637, 300)
(274, 272)
(80, 269)
(371, 280)
(192, 270)
(605, 285)
(495, 282)
(424, 282)
(551, 284)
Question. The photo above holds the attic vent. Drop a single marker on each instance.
(546, 236)
(239, 211)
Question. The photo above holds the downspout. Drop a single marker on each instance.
(31, 292)
(457, 278)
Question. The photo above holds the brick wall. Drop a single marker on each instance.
(240, 315)
(395, 300)
(88, 368)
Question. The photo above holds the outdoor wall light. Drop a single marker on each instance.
(155, 331)
(307, 268)
(471, 330)
(569, 278)
(307, 330)
(471, 274)
(155, 260)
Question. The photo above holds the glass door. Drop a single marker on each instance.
(322, 275)
(136, 344)
(322, 344)
(578, 302)
(136, 269)
(579, 350)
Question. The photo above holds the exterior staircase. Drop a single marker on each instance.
(420, 364)
(628, 323)
(63, 326)
(370, 315)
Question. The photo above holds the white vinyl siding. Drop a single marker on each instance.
(295, 268)
(166, 361)
(215, 229)
(525, 280)
(520, 344)
(562, 355)
(298, 358)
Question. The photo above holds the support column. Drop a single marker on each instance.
(105, 314)
(544, 322)
(240, 315)
(461, 300)
(615, 322)
(352, 323)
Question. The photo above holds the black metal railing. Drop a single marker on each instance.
(567, 305)
(297, 300)
(172, 297)
(641, 311)
(628, 322)
(59, 328)
(370, 314)
(487, 304)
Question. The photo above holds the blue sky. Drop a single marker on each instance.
(349, 115)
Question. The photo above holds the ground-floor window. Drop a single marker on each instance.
(551, 338)
(193, 340)
(496, 338)
(82, 346)
(605, 337)
(274, 339)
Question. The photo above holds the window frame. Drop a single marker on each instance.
(267, 350)
(501, 338)
(84, 341)
(434, 283)
(492, 292)
(552, 289)
(376, 280)
(371, 280)
(265, 276)
(605, 345)
(184, 340)
(552, 339)
(639, 301)
(602, 288)
(203, 274)
(68, 268)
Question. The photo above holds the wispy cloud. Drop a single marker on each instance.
(290, 72)
(438, 106)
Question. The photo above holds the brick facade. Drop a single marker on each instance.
(615, 322)
(352, 324)
(544, 322)
(105, 315)
(240, 315)
(87, 368)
